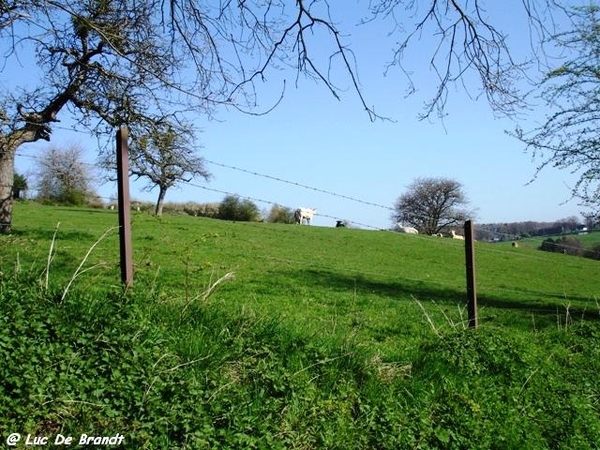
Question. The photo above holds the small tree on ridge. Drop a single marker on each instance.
(165, 158)
(432, 205)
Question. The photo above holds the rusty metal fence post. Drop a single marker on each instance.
(124, 207)
(470, 267)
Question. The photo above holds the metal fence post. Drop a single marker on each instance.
(124, 207)
(470, 267)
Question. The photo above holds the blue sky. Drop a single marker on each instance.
(313, 139)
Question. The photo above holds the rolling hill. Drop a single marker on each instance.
(241, 335)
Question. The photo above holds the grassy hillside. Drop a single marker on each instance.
(317, 338)
(287, 268)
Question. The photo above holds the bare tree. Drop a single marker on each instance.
(108, 63)
(432, 205)
(63, 177)
(569, 137)
(165, 157)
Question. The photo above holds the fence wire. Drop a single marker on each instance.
(336, 218)
(445, 242)
(294, 183)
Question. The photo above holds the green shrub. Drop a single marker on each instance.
(73, 197)
(594, 252)
(201, 209)
(19, 186)
(565, 244)
(281, 214)
(233, 208)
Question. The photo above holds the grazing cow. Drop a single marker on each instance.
(515, 244)
(340, 224)
(453, 235)
(408, 230)
(304, 214)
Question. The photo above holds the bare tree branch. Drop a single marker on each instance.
(467, 42)
(128, 62)
(568, 139)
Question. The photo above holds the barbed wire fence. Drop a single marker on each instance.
(505, 236)
(294, 183)
(444, 242)
(450, 286)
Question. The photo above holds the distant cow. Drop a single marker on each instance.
(408, 230)
(340, 224)
(453, 235)
(304, 214)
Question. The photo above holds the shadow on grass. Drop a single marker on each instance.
(402, 288)
(82, 209)
(46, 234)
(536, 303)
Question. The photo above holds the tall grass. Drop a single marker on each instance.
(318, 342)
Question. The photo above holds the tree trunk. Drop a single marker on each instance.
(159, 203)
(9, 143)
(7, 174)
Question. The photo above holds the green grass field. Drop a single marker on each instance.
(312, 337)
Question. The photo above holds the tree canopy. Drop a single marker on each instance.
(432, 205)
(166, 157)
(107, 63)
(569, 137)
(62, 176)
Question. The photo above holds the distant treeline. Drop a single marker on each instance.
(231, 207)
(516, 230)
(570, 245)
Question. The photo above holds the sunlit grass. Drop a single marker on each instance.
(255, 335)
(327, 281)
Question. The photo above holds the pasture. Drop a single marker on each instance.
(256, 335)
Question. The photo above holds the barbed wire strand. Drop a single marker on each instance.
(294, 183)
(269, 202)
(497, 233)
(511, 236)
(444, 241)
(368, 226)
(39, 158)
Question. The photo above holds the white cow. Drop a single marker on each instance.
(408, 230)
(453, 235)
(304, 214)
